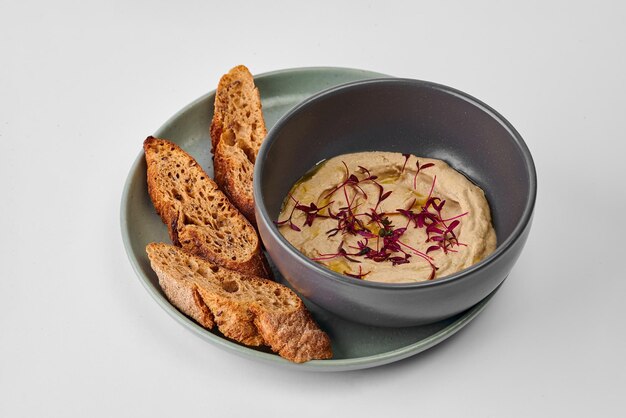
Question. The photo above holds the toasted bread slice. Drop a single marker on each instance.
(199, 217)
(237, 131)
(246, 308)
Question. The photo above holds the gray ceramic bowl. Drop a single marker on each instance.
(407, 116)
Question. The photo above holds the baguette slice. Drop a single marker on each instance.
(237, 131)
(198, 215)
(246, 308)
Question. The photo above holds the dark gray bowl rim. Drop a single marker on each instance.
(500, 249)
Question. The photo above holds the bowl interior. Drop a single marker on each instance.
(406, 116)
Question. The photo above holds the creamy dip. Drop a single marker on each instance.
(388, 217)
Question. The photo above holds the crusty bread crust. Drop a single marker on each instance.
(199, 217)
(237, 131)
(245, 308)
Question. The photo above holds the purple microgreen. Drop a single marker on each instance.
(456, 217)
(366, 233)
(360, 275)
(432, 248)
(419, 168)
(432, 187)
(432, 229)
(400, 260)
(312, 212)
(289, 219)
(416, 251)
(406, 159)
(389, 245)
(384, 196)
(367, 173)
(346, 256)
(453, 225)
(341, 252)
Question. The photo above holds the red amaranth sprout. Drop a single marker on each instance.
(289, 219)
(419, 168)
(360, 275)
(341, 252)
(312, 212)
(406, 159)
(389, 246)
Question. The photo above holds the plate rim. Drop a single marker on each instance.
(355, 363)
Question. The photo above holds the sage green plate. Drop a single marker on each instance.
(355, 346)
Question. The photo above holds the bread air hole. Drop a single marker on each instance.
(187, 220)
(229, 137)
(230, 286)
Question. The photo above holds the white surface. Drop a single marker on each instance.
(81, 85)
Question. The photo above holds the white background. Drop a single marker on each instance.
(82, 84)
